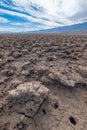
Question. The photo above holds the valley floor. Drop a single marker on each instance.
(43, 82)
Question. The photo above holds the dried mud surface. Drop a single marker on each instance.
(43, 82)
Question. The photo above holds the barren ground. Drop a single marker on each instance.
(59, 63)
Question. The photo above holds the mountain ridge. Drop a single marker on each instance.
(82, 27)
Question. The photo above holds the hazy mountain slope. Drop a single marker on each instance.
(73, 28)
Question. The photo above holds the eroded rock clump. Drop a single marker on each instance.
(28, 96)
(24, 101)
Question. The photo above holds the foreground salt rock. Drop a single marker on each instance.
(27, 98)
(69, 75)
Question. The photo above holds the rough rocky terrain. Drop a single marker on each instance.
(43, 82)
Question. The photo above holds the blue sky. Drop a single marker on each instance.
(29, 15)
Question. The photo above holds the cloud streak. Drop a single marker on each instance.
(3, 20)
(46, 14)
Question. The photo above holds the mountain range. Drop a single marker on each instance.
(82, 27)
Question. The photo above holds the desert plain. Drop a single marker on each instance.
(43, 81)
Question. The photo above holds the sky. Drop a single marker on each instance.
(30, 15)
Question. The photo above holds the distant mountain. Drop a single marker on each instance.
(66, 29)
(73, 28)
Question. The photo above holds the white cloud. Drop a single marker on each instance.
(53, 9)
(49, 13)
(16, 29)
(16, 24)
(3, 20)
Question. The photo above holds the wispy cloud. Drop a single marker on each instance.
(3, 20)
(16, 24)
(46, 14)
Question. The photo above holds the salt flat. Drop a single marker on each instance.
(52, 68)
